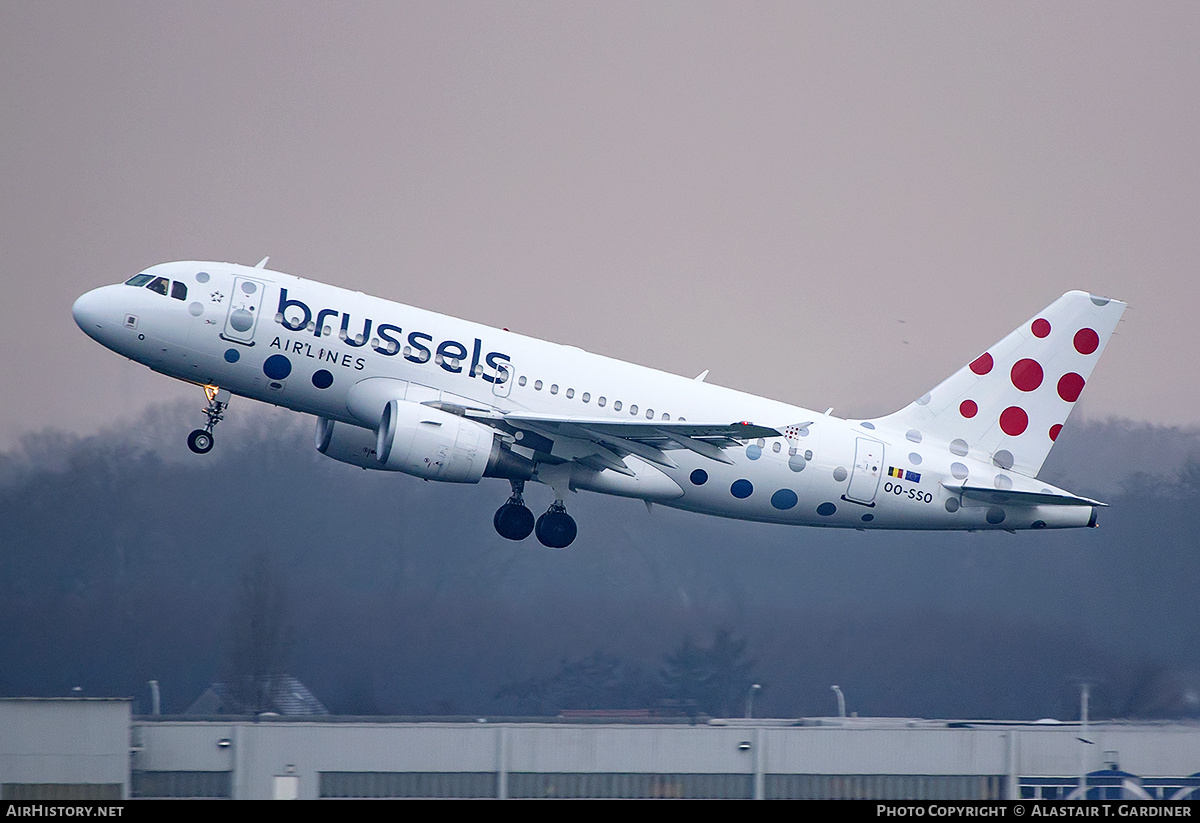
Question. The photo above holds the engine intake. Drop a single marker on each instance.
(347, 444)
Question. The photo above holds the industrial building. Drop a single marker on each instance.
(59, 749)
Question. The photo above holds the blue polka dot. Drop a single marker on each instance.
(784, 499)
(741, 489)
(277, 367)
(232, 355)
(754, 451)
(699, 477)
(826, 509)
(322, 379)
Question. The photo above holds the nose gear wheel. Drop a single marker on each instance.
(201, 440)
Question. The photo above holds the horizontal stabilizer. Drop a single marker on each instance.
(1020, 498)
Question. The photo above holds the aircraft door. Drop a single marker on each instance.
(502, 386)
(868, 468)
(245, 305)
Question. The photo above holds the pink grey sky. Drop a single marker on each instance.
(833, 204)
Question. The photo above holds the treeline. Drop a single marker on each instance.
(123, 559)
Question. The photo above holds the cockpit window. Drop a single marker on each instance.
(179, 290)
(159, 285)
(139, 280)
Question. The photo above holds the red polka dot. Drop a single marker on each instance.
(968, 408)
(1027, 374)
(1086, 341)
(1014, 420)
(1041, 327)
(1069, 386)
(1054, 430)
(982, 364)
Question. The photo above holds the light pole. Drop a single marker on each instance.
(750, 700)
(1085, 691)
(841, 700)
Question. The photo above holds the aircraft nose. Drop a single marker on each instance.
(88, 312)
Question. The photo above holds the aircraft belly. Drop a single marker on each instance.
(762, 484)
(647, 483)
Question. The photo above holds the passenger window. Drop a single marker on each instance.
(159, 285)
(616, 405)
(179, 290)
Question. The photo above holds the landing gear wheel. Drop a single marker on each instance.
(200, 441)
(513, 521)
(556, 529)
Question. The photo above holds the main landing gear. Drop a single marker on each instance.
(201, 440)
(514, 520)
(555, 529)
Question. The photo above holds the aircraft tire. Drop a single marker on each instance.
(513, 521)
(200, 441)
(556, 529)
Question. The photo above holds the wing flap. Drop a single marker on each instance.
(647, 439)
(649, 430)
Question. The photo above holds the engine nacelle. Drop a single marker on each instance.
(433, 444)
(347, 444)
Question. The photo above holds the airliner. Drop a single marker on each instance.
(397, 388)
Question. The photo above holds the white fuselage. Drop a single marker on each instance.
(305, 345)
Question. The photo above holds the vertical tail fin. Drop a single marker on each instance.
(1009, 404)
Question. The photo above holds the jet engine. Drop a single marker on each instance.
(436, 445)
(347, 444)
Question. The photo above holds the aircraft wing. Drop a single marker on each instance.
(603, 443)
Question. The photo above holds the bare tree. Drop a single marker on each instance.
(714, 679)
(259, 635)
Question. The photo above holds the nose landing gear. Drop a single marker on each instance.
(201, 440)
